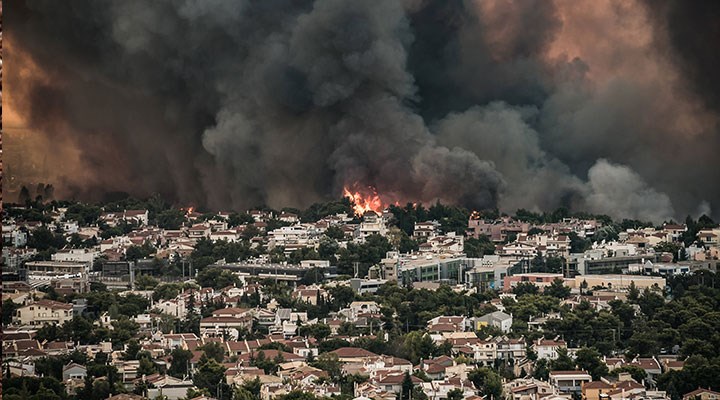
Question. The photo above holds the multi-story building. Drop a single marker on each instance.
(76, 255)
(540, 279)
(44, 312)
(548, 349)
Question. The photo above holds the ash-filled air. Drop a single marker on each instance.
(609, 107)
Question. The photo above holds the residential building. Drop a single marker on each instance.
(702, 394)
(548, 349)
(541, 279)
(497, 319)
(44, 312)
(569, 381)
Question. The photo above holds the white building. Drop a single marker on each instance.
(548, 349)
(370, 225)
(76, 255)
(497, 319)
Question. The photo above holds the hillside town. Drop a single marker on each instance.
(136, 299)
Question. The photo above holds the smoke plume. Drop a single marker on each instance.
(595, 106)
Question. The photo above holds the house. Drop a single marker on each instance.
(128, 396)
(362, 308)
(306, 295)
(140, 217)
(74, 371)
(392, 382)
(497, 319)
(425, 229)
(75, 255)
(548, 349)
(651, 366)
(170, 387)
(227, 235)
(199, 231)
(629, 388)
(439, 389)
(436, 368)
(702, 394)
(56, 348)
(525, 389)
(446, 244)
(596, 389)
(226, 321)
(446, 324)
(176, 308)
(174, 340)
(709, 237)
(511, 349)
(353, 354)
(289, 217)
(484, 352)
(569, 381)
(44, 312)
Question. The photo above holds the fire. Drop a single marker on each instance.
(364, 200)
(189, 211)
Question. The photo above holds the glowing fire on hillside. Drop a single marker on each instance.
(364, 199)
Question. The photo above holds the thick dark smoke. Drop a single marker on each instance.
(283, 102)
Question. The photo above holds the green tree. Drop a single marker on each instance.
(542, 370)
(8, 310)
(171, 219)
(43, 239)
(330, 363)
(146, 367)
(211, 376)
(633, 292)
(214, 350)
(406, 387)
(479, 247)
(335, 232)
(131, 350)
(327, 248)
(341, 296)
(317, 331)
(557, 289)
(146, 282)
(216, 278)
(240, 393)
(563, 362)
(524, 288)
(180, 360)
(455, 394)
(417, 345)
(578, 244)
(487, 381)
(237, 219)
(588, 359)
(669, 247)
(637, 373)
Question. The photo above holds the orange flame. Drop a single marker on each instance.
(189, 211)
(364, 200)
